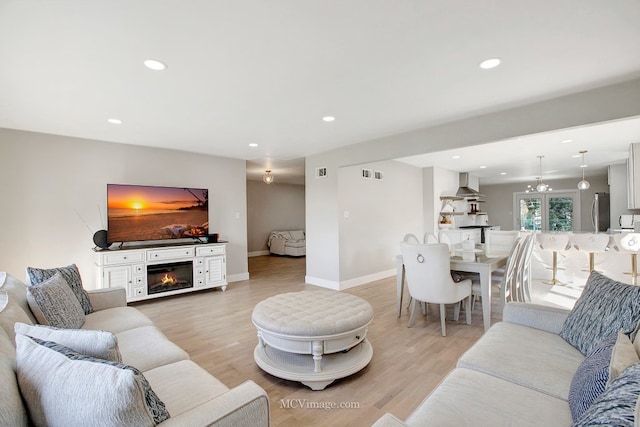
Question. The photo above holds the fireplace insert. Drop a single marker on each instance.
(169, 277)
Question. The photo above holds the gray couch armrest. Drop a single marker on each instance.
(549, 319)
(107, 298)
(388, 420)
(246, 405)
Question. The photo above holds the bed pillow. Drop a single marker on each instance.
(63, 387)
(71, 274)
(98, 344)
(605, 307)
(53, 303)
(591, 377)
(616, 406)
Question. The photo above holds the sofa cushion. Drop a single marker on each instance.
(10, 313)
(53, 303)
(63, 388)
(72, 276)
(591, 377)
(623, 355)
(116, 319)
(12, 410)
(605, 307)
(470, 398)
(98, 344)
(135, 344)
(616, 406)
(297, 234)
(180, 396)
(523, 355)
(17, 292)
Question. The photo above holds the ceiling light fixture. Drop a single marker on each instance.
(490, 63)
(584, 184)
(455, 157)
(541, 187)
(567, 141)
(267, 177)
(155, 65)
(253, 145)
(115, 121)
(483, 167)
(328, 118)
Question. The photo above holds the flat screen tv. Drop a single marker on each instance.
(138, 213)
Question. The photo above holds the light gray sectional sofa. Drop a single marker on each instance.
(192, 396)
(543, 366)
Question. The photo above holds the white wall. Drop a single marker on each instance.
(48, 183)
(323, 210)
(272, 207)
(618, 184)
(374, 217)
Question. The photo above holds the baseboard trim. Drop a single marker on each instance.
(237, 277)
(351, 283)
(258, 253)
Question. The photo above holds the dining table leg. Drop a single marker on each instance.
(485, 290)
(399, 283)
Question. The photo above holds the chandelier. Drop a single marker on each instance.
(267, 177)
(584, 184)
(540, 186)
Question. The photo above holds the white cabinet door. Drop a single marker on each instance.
(215, 270)
(120, 276)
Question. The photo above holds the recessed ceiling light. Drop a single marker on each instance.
(253, 145)
(503, 173)
(483, 167)
(455, 157)
(576, 155)
(115, 121)
(566, 141)
(490, 63)
(328, 118)
(155, 65)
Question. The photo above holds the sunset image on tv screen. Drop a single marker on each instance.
(139, 213)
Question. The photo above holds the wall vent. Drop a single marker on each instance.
(367, 173)
(321, 172)
(378, 175)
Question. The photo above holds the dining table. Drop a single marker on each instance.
(480, 264)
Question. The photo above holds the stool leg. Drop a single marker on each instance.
(591, 261)
(554, 271)
(634, 268)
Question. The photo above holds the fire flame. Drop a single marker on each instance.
(168, 280)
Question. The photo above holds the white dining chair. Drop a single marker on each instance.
(629, 243)
(521, 290)
(503, 285)
(410, 238)
(499, 242)
(430, 238)
(429, 281)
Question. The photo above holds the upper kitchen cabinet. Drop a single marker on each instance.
(633, 181)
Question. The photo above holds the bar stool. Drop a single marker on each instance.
(630, 243)
(591, 243)
(554, 243)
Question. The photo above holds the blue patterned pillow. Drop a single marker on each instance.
(71, 274)
(605, 307)
(616, 406)
(591, 377)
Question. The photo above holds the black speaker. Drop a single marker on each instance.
(212, 238)
(100, 239)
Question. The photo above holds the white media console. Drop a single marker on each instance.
(157, 271)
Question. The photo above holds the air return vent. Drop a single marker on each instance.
(321, 172)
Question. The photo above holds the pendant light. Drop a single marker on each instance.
(541, 187)
(584, 184)
(267, 177)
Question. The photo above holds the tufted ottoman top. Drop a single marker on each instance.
(312, 313)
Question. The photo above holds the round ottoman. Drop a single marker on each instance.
(313, 337)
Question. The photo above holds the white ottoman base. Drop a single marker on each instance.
(300, 367)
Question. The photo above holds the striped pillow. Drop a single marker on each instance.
(591, 377)
(605, 307)
(71, 274)
(616, 406)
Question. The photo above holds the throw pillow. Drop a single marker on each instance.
(297, 234)
(71, 274)
(53, 303)
(98, 344)
(64, 388)
(605, 307)
(616, 406)
(622, 356)
(591, 377)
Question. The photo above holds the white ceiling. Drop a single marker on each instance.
(255, 71)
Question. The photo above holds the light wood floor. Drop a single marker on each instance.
(215, 328)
